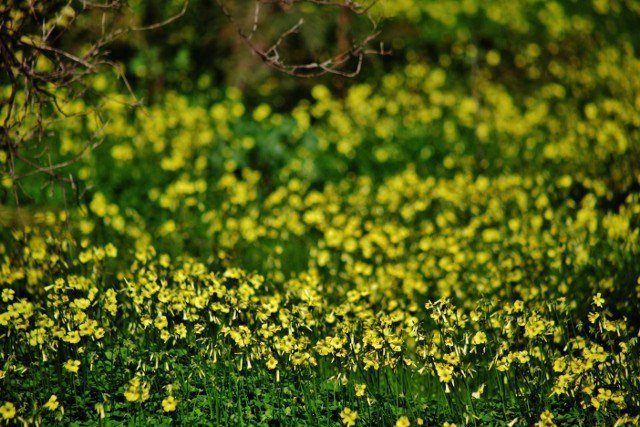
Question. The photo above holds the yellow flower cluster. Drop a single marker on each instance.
(479, 234)
(138, 391)
(324, 316)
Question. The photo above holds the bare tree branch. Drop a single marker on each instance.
(30, 31)
(37, 95)
(165, 22)
(334, 65)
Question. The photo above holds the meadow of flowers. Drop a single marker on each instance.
(455, 243)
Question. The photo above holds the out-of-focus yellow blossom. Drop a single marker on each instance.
(72, 366)
(99, 205)
(598, 301)
(169, 404)
(52, 404)
(137, 390)
(349, 417)
(8, 411)
(546, 420)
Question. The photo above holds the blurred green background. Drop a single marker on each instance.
(202, 50)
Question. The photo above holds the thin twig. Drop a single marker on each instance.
(333, 65)
(165, 22)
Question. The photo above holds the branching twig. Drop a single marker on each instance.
(165, 22)
(334, 65)
(37, 96)
(29, 32)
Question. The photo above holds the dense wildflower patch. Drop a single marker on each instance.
(464, 288)
(455, 244)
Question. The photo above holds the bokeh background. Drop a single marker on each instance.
(202, 47)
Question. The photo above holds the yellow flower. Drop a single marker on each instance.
(444, 371)
(7, 410)
(493, 58)
(272, 363)
(111, 250)
(546, 420)
(7, 295)
(518, 306)
(360, 389)
(131, 395)
(403, 421)
(261, 112)
(161, 322)
(349, 417)
(598, 300)
(72, 365)
(559, 365)
(72, 337)
(169, 404)
(52, 404)
(180, 330)
(98, 204)
(479, 338)
(85, 256)
(38, 247)
(478, 393)
(137, 390)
